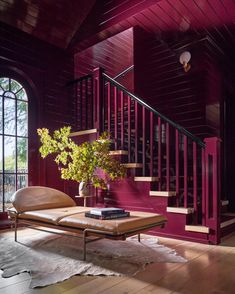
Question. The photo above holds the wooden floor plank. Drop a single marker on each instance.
(130, 285)
(99, 285)
(75, 281)
(210, 269)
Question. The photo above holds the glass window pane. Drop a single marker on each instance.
(22, 155)
(13, 150)
(1, 193)
(9, 116)
(9, 95)
(9, 188)
(15, 86)
(22, 122)
(22, 181)
(4, 82)
(1, 154)
(1, 115)
(9, 154)
(22, 95)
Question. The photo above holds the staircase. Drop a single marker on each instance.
(170, 171)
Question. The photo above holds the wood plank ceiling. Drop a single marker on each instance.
(159, 17)
(77, 24)
(53, 21)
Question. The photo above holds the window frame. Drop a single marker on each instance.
(16, 173)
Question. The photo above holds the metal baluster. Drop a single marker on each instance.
(177, 182)
(115, 117)
(167, 157)
(122, 119)
(109, 107)
(159, 153)
(151, 144)
(195, 181)
(185, 171)
(129, 127)
(144, 140)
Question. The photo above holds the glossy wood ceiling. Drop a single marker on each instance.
(77, 24)
(53, 21)
(158, 17)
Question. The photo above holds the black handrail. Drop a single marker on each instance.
(140, 101)
(78, 80)
(122, 73)
(126, 70)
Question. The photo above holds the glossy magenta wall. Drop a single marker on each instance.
(114, 54)
(44, 71)
(165, 29)
(191, 99)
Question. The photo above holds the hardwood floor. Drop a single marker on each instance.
(210, 269)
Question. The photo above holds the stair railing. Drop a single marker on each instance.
(161, 148)
(181, 161)
(82, 90)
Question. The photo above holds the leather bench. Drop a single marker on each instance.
(46, 207)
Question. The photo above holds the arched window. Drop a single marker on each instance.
(13, 139)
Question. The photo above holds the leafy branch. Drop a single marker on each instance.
(89, 162)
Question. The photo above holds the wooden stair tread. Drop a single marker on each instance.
(224, 202)
(85, 132)
(227, 222)
(198, 229)
(146, 179)
(232, 214)
(133, 165)
(118, 152)
(182, 210)
(162, 193)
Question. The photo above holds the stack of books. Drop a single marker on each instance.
(107, 213)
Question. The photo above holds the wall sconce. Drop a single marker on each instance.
(184, 60)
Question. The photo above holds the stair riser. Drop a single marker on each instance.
(121, 158)
(84, 138)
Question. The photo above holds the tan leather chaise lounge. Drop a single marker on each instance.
(46, 207)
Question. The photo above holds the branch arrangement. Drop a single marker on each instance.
(89, 162)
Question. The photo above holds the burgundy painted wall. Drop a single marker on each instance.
(114, 54)
(229, 138)
(193, 99)
(44, 71)
(190, 99)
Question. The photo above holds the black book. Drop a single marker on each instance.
(106, 210)
(110, 216)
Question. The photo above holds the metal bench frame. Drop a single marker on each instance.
(83, 233)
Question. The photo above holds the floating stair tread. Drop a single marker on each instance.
(85, 132)
(146, 179)
(162, 193)
(118, 152)
(232, 214)
(181, 210)
(133, 165)
(224, 202)
(198, 229)
(227, 223)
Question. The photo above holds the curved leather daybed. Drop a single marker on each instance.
(46, 207)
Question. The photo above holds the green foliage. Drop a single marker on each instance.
(89, 162)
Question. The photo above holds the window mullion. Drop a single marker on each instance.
(3, 154)
(11, 173)
(16, 146)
